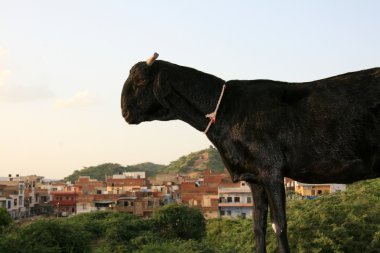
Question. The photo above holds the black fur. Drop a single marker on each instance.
(325, 131)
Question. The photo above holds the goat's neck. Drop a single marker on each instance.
(194, 96)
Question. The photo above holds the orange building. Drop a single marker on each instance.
(86, 185)
(64, 202)
(203, 193)
(120, 185)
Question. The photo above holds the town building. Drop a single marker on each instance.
(87, 189)
(64, 202)
(118, 184)
(5, 199)
(235, 200)
(202, 193)
(13, 196)
(313, 190)
(142, 204)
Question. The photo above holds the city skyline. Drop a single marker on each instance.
(63, 65)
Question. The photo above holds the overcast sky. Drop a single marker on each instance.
(63, 65)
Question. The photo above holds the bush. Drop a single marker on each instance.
(230, 235)
(175, 246)
(5, 219)
(46, 236)
(178, 221)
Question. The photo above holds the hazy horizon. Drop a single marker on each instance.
(63, 65)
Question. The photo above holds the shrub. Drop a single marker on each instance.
(178, 221)
(5, 219)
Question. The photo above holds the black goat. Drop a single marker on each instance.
(325, 131)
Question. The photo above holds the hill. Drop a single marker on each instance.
(195, 162)
(108, 169)
(192, 163)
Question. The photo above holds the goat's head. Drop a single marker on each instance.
(142, 98)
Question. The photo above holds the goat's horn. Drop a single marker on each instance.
(152, 59)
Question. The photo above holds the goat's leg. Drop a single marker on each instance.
(276, 196)
(260, 213)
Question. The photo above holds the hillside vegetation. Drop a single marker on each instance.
(108, 169)
(194, 162)
(344, 222)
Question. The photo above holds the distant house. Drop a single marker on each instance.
(313, 190)
(118, 184)
(5, 199)
(12, 196)
(64, 202)
(142, 204)
(87, 188)
(203, 193)
(235, 200)
(169, 192)
(289, 184)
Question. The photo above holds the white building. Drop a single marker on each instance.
(12, 196)
(235, 200)
(134, 174)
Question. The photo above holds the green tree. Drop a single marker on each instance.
(5, 219)
(179, 221)
(46, 236)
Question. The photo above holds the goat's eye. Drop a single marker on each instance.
(140, 81)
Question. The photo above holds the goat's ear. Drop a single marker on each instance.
(161, 86)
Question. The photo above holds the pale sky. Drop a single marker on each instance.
(63, 65)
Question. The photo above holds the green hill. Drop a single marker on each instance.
(194, 162)
(101, 171)
(197, 161)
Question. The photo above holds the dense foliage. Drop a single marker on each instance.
(194, 162)
(176, 221)
(342, 222)
(5, 219)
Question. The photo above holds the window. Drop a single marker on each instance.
(243, 215)
(150, 203)
(249, 199)
(222, 200)
(222, 213)
(9, 204)
(319, 192)
(126, 203)
(15, 202)
(229, 199)
(237, 199)
(229, 212)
